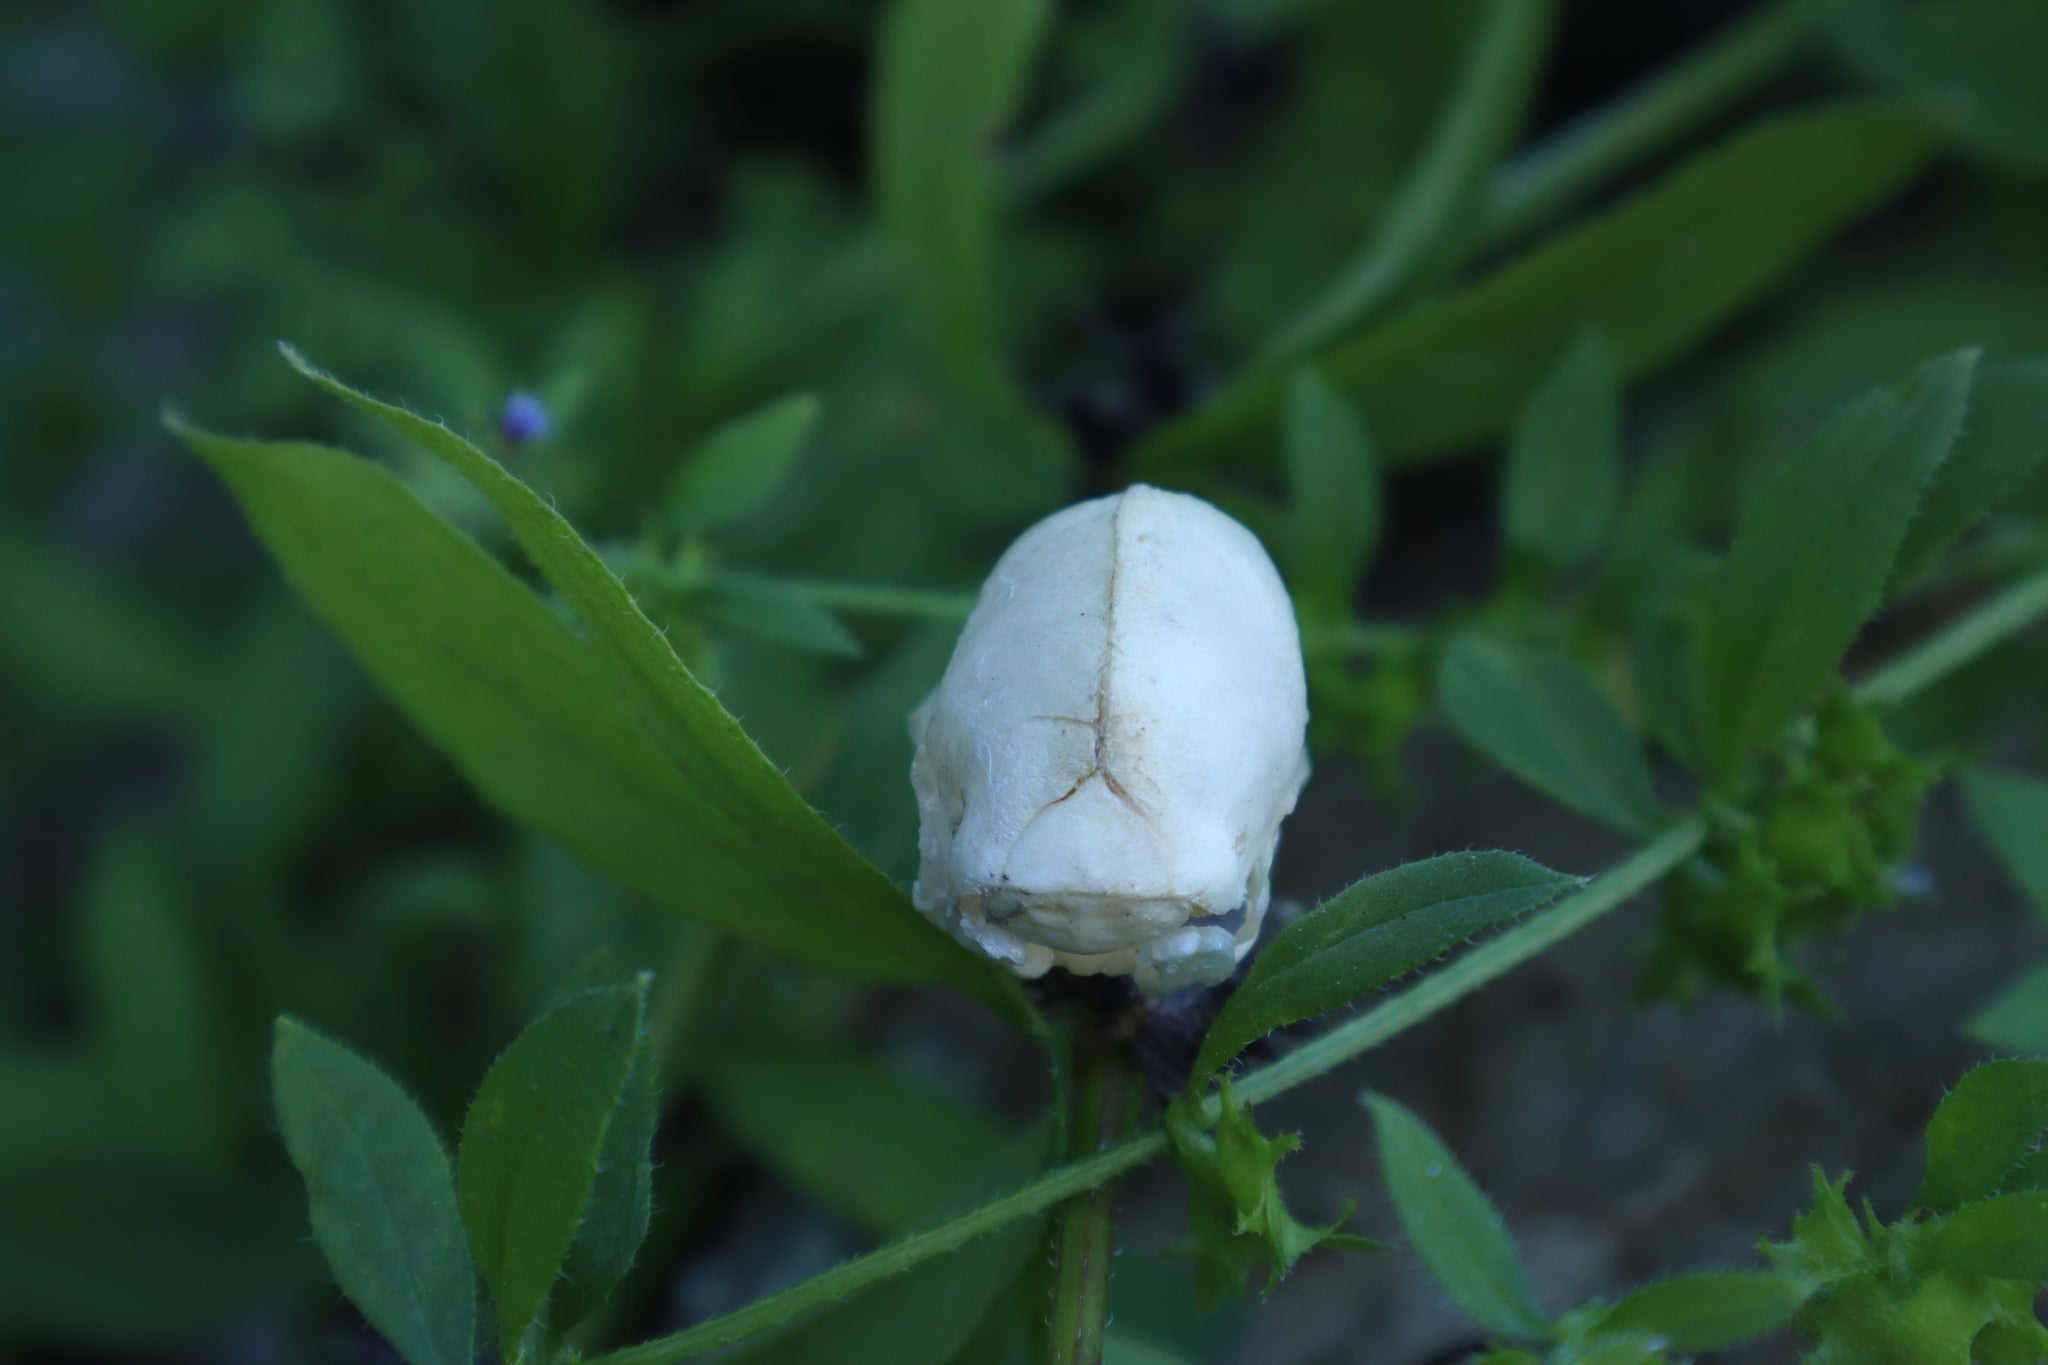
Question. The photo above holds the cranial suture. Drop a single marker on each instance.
(1102, 771)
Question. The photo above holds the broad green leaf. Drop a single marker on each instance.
(1708, 1312)
(950, 77)
(771, 609)
(926, 1316)
(1538, 714)
(2005, 1237)
(552, 735)
(1238, 1220)
(1992, 1119)
(534, 1138)
(621, 1199)
(1654, 276)
(892, 1153)
(2012, 811)
(738, 466)
(380, 1195)
(2018, 1019)
(1974, 62)
(1333, 479)
(1453, 1226)
(2002, 442)
(1482, 112)
(151, 1009)
(1814, 550)
(1563, 477)
(1370, 933)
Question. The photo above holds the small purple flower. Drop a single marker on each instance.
(525, 418)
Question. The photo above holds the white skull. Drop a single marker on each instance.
(1102, 772)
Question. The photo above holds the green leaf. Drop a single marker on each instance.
(2017, 1020)
(1814, 550)
(1542, 717)
(950, 78)
(1238, 1220)
(1373, 931)
(534, 1138)
(1974, 63)
(1334, 480)
(1708, 1312)
(1453, 1226)
(152, 1019)
(1563, 477)
(1667, 687)
(2011, 809)
(1654, 276)
(2003, 442)
(738, 466)
(380, 1194)
(621, 1199)
(891, 1156)
(2004, 1238)
(608, 758)
(771, 609)
(1985, 1126)
(1481, 115)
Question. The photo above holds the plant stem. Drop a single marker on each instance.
(1959, 643)
(1534, 188)
(1105, 1114)
(882, 600)
(1996, 620)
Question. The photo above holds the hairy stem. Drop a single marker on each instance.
(1106, 1111)
(2000, 618)
(1960, 642)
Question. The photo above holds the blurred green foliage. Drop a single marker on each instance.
(1009, 254)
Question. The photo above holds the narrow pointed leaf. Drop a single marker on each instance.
(1333, 478)
(1564, 465)
(1708, 1312)
(534, 1138)
(1654, 276)
(1369, 934)
(950, 77)
(604, 743)
(621, 1199)
(380, 1196)
(1453, 1226)
(2003, 441)
(1815, 549)
(1542, 717)
(1991, 1121)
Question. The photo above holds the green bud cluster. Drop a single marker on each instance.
(1809, 839)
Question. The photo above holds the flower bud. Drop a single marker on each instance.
(1102, 772)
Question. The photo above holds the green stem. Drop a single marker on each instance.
(1970, 637)
(1534, 188)
(1356, 637)
(1959, 643)
(1106, 1113)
